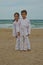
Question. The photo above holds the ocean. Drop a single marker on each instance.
(35, 24)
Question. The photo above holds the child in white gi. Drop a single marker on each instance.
(25, 29)
(16, 30)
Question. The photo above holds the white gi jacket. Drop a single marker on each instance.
(16, 28)
(25, 27)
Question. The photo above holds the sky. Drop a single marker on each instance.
(33, 7)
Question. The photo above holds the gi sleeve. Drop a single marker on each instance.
(29, 27)
(14, 29)
(17, 28)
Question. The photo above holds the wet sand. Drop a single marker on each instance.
(8, 55)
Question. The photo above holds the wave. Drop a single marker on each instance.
(10, 26)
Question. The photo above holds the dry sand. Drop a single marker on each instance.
(8, 55)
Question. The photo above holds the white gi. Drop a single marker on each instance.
(25, 29)
(16, 29)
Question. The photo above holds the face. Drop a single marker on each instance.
(16, 17)
(24, 15)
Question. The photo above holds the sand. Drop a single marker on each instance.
(8, 54)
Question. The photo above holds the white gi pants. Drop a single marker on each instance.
(24, 43)
(17, 47)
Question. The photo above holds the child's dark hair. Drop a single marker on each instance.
(16, 13)
(23, 11)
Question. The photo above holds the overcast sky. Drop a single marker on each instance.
(9, 7)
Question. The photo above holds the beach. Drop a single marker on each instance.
(8, 54)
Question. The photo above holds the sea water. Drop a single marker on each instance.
(35, 24)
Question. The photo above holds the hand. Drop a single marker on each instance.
(16, 36)
(18, 33)
(28, 35)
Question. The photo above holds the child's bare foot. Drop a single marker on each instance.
(21, 50)
(24, 50)
(29, 50)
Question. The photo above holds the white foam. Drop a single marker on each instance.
(5, 25)
(10, 26)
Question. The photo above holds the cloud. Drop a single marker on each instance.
(8, 7)
(7, 2)
(20, 2)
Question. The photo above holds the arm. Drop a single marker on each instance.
(18, 29)
(29, 28)
(14, 30)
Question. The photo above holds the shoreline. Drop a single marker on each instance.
(11, 28)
